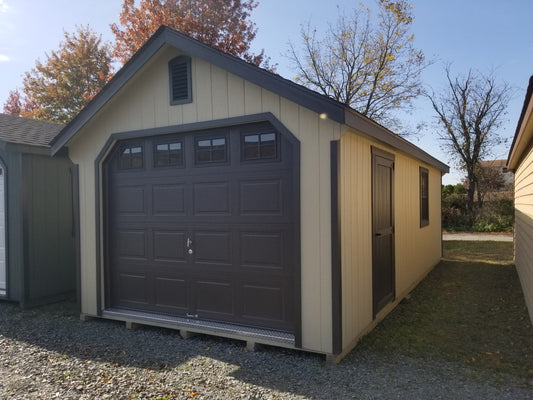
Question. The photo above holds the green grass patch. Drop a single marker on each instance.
(472, 313)
(482, 251)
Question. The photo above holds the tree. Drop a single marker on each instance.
(489, 180)
(469, 113)
(59, 88)
(13, 104)
(223, 24)
(373, 69)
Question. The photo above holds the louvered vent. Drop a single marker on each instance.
(180, 81)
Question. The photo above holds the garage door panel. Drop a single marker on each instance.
(263, 303)
(212, 247)
(214, 298)
(168, 200)
(212, 198)
(169, 246)
(129, 200)
(262, 250)
(261, 197)
(131, 244)
(132, 288)
(172, 293)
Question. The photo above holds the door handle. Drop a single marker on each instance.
(189, 244)
(378, 234)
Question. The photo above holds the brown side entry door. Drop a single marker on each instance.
(383, 271)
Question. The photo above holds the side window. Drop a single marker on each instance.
(212, 150)
(131, 157)
(259, 146)
(180, 80)
(166, 154)
(424, 197)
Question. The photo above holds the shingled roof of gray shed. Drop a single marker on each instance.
(27, 131)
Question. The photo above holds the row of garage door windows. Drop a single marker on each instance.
(257, 146)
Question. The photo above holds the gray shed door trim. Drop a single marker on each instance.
(281, 292)
(3, 231)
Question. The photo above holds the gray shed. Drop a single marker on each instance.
(37, 246)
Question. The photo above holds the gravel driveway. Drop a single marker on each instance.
(48, 353)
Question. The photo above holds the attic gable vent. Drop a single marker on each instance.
(180, 80)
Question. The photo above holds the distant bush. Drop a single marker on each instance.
(496, 215)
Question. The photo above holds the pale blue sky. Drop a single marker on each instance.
(477, 34)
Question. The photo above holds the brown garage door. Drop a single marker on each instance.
(203, 225)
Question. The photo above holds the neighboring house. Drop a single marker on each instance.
(521, 163)
(220, 198)
(37, 253)
(500, 166)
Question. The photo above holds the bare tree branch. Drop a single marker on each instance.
(371, 67)
(470, 111)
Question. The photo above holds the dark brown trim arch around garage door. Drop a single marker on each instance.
(213, 237)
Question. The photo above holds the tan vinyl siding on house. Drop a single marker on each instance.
(217, 94)
(417, 249)
(524, 227)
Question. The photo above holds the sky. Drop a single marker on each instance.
(482, 35)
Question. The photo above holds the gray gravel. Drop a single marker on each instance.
(478, 236)
(48, 353)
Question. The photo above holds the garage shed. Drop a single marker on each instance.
(520, 162)
(37, 253)
(220, 198)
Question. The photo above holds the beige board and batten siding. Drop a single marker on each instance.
(143, 103)
(523, 237)
(417, 250)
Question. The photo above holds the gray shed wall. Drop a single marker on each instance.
(39, 234)
(48, 227)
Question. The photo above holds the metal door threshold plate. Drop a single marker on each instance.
(209, 327)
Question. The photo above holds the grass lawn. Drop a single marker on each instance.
(488, 252)
(470, 310)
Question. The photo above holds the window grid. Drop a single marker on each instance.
(167, 154)
(424, 197)
(212, 150)
(259, 146)
(131, 157)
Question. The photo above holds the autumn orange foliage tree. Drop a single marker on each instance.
(13, 104)
(59, 88)
(223, 24)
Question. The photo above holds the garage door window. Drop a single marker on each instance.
(167, 154)
(131, 157)
(212, 150)
(259, 146)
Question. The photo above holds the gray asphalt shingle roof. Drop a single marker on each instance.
(27, 131)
